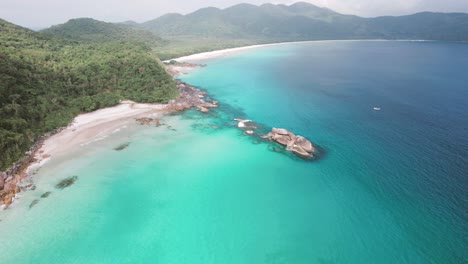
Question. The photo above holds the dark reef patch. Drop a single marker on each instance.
(122, 146)
(33, 203)
(66, 182)
(45, 195)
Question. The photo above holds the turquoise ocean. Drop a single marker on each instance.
(390, 186)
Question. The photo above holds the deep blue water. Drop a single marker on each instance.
(411, 157)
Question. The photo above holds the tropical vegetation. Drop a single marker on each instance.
(46, 80)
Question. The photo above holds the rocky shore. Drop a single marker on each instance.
(17, 178)
(189, 97)
(176, 68)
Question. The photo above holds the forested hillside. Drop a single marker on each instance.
(91, 30)
(45, 81)
(304, 21)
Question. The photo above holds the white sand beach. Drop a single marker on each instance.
(223, 52)
(214, 54)
(86, 128)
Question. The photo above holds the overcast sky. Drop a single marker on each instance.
(43, 13)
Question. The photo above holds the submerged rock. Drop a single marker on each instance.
(148, 121)
(33, 203)
(66, 182)
(122, 146)
(45, 195)
(171, 128)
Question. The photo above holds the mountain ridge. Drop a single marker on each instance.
(305, 21)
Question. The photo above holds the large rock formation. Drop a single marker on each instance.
(189, 97)
(297, 144)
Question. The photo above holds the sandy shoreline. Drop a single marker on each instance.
(89, 127)
(216, 53)
(223, 52)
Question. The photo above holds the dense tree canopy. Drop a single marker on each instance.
(45, 81)
(91, 30)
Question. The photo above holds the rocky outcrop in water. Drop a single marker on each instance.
(299, 145)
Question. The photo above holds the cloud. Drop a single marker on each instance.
(42, 13)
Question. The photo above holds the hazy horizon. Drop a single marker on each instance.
(42, 14)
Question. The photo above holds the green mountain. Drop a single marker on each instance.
(88, 29)
(46, 80)
(303, 21)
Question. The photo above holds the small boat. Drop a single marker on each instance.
(377, 108)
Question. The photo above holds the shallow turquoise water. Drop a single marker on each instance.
(390, 187)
